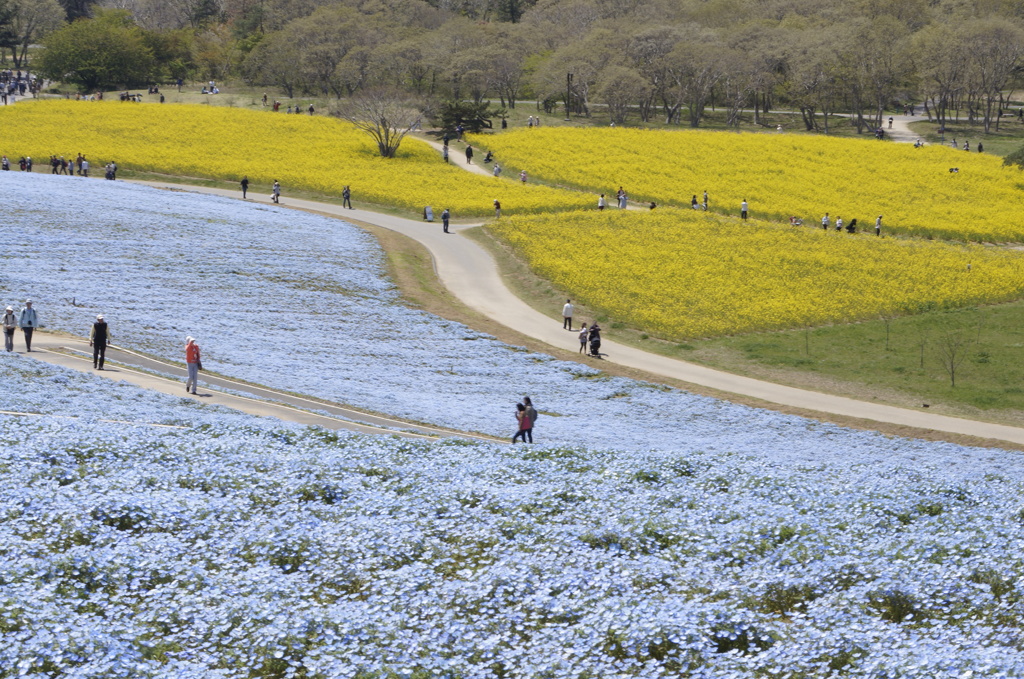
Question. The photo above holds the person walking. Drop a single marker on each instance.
(469, 155)
(522, 176)
(276, 194)
(346, 197)
(601, 204)
(497, 208)
(620, 197)
(194, 363)
(523, 420)
(531, 414)
(445, 216)
(444, 152)
(705, 203)
(693, 202)
(595, 340)
(245, 186)
(584, 333)
(567, 310)
(98, 339)
(878, 226)
(28, 321)
(497, 169)
(839, 223)
(10, 325)
(743, 209)
(825, 222)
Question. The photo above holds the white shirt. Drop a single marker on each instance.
(567, 310)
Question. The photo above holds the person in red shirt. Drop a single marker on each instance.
(192, 360)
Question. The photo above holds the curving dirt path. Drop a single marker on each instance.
(144, 371)
(471, 274)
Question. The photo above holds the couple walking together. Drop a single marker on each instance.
(526, 416)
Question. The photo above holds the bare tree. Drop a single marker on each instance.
(953, 344)
(387, 115)
(33, 19)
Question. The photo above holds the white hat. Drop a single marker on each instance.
(10, 308)
(189, 339)
(28, 301)
(100, 317)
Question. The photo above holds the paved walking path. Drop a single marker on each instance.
(137, 369)
(471, 274)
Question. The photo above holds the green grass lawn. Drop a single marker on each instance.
(1006, 140)
(904, 361)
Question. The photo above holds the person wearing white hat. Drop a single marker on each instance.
(10, 325)
(194, 364)
(98, 341)
(28, 321)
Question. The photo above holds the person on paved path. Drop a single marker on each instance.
(469, 155)
(98, 339)
(497, 208)
(620, 197)
(28, 321)
(595, 340)
(346, 198)
(584, 333)
(276, 195)
(10, 325)
(878, 226)
(523, 421)
(567, 310)
(825, 222)
(890, 122)
(743, 209)
(531, 413)
(245, 186)
(497, 169)
(444, 152)
(428, 213)
(445, 216)
(193, 360)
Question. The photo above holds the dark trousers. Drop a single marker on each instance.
(99, 352)
(347, 202)
(523, 433)
(9, 339)
(28, 338)
(566, 322)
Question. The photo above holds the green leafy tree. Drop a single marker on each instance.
(8, 33)
(107, 52)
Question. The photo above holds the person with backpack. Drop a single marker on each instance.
(595, 340)
(524, 423)
(531, 414)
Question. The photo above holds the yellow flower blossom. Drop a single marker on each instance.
(782, 175)
(312, 153)
(682, 274)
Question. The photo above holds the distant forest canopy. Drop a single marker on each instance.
(655, 60)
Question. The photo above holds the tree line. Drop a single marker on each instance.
(652, 60)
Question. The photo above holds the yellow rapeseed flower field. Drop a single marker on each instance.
(313, 153)
(782, 175)
(684, 274)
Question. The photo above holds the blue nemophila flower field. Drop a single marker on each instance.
(241, 547)
(661, 534)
